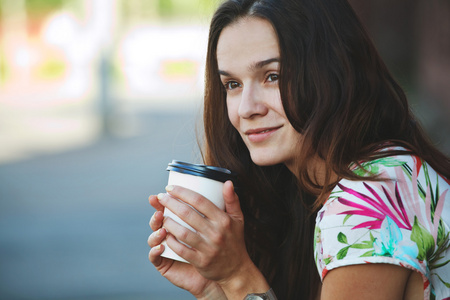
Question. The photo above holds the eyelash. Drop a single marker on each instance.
(273, 74)
(228, 88)
(227, 85)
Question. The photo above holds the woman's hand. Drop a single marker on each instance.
(217, 250)
(180, 274)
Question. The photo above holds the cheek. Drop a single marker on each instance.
(233, 115)
(276, 103)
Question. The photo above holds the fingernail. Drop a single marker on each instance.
(169, 188)
(158, 247)
(232, 184)
(160, 196)
(159, 232)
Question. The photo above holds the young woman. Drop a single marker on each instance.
(341, 196)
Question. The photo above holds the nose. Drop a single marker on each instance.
(252, 102)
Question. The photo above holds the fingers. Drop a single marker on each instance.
(154, 241)
(184, 251)
(232, 205)
(183, 234)
(153, 200)
(157, 237)
(156, 220)
(214, 216)
(157, 248)
(181, 211)
(155, 255)
(200, 203)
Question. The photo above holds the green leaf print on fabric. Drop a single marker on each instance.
(400, 218)
(327, 260)
(443, 243)
(342, 253)
(373, 167)
(363, 245)
(346, 218)
(342, 238)
(445, 283)
(368, 254)
(423, 239)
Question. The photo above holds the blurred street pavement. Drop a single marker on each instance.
(74, 225)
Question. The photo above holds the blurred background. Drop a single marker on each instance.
(97, 96)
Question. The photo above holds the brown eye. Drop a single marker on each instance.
(272, 77)
(231, 85)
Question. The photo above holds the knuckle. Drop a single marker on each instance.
(204, 264)
(225, 222)
(197, 200)
(154, 226)
(217, 238)
(152, 219)
(208, 260)
(214, 253)
(185, 211)
(155, 238)
(150, 240)
(181, 251)
(184, 234)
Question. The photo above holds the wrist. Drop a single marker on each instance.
(246, 281)
(212, 292)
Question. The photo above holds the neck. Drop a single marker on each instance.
(317, 172)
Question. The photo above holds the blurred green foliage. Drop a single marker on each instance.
(140, 9)
(3, 68)
(51, 69)
(166, 10)
(165, 7)
(179, 68)
(39, 8)
(179, 8)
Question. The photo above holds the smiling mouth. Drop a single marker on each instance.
(261, 130)
(264, 131)
(260, 134)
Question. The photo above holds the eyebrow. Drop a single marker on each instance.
(255, 66)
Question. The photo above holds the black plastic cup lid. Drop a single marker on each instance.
(214, 173)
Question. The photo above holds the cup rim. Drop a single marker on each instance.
(211, 172)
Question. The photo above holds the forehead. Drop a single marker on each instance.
(247, 40)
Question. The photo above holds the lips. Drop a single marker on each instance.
(261, 134)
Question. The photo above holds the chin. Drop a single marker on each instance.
(264, 161)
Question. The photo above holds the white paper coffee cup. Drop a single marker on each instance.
(206, 180)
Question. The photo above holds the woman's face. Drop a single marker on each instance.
(249, 62)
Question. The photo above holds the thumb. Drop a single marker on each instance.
(231, 199)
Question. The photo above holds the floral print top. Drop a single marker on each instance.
(403, 220)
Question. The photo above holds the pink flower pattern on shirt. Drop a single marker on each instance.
(403, 219)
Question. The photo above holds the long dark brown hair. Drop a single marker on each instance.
(338, 93)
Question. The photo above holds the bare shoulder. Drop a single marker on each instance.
(372, 281)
